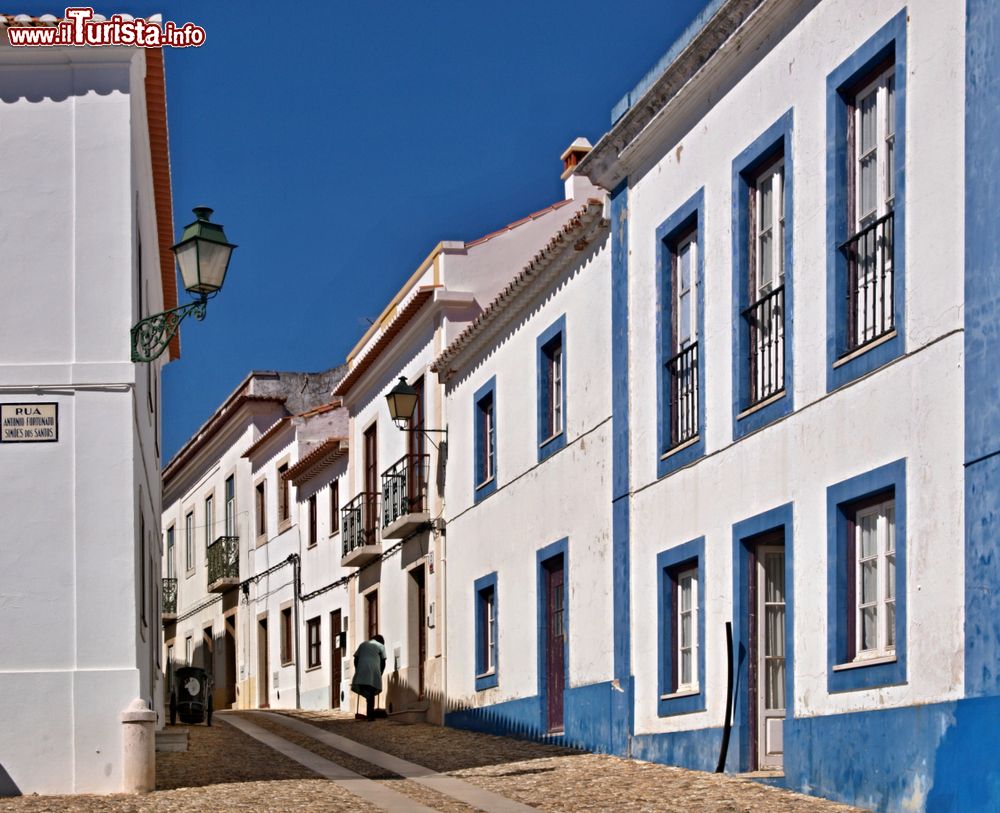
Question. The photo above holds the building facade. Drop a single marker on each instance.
(87, 228)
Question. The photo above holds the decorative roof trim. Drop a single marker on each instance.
(575, 235)
(273, 430)
(329, 451)
(389, 332)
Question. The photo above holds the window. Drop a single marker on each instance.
(680, 365)
(260, 507)
(171, 573)
(866, 114)
(287, 639)
(188, 649)
(284, 495)
(313, 629)
(371, 613)
(334, 507)
(209, 519)
(484, 416)
(485, 592)
(189, 540)
(762, 284)
(681, 627)
(552, 389)
(311, 538)
(231, 505)
(867, 590)
(170, 669)
(685, 620)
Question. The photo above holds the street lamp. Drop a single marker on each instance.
(203, 255)
(402, 402)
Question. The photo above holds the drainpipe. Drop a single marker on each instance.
(297, 588)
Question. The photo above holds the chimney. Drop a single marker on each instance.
(577, 186)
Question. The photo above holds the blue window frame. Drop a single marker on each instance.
(866, 207)
(762, 279)
(869, 509)
(487, 648)
(681, 628)
(680, 351)
(551, 354)
(484, 419)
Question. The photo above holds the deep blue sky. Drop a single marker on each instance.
(340, 141)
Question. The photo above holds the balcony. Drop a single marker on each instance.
(404, 497)
(869, 256)
(765, 320)
(223, 564)
(359, 530)
(682, 381)
(168, 607)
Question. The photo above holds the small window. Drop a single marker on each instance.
(685, 620)
(209, 519)
(334, 507)
(371, 613)
(188, 649)
(260, 506)
(171, 566)
(231, 505)
(287, 639)
(484, 417)
(552, 389)
(313, 628)
(312, 536)
(284, 494)
(874, 565)
(487, 430)
(486, 632)
(189, 540)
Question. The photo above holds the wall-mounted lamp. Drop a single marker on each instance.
(203, 255)
(402, 402)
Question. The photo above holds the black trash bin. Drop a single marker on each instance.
(191, 698)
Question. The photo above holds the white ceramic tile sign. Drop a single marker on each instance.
(29, 423)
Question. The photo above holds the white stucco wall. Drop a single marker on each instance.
(78, 644)
(568, 495)
(911, 410)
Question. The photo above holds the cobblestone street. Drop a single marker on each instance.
(227, 767)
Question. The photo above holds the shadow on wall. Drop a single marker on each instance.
(7, 785)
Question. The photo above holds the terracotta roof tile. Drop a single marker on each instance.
(327, 452)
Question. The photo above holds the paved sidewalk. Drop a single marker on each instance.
(227, 770)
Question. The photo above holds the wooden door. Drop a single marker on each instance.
(555, 643)
(262, 662)
(371, 483)
(421, 612)
(769, 654)
(336, 659)
(229, 643)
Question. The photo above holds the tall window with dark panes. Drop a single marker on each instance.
(260, 507)
(682, 366)
(334, 506)
(231, 505)
(311, 536)
(284, 494)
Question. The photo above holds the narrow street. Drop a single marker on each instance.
(326, 762)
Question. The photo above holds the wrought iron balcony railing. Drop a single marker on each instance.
(682, 386)
(765, 320)
(359, 522)
(404, 488)
(224, 559)
(169, 597)
(869, 256)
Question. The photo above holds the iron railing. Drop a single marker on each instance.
(765, 320)
(224, 559)
(359, 521)
(869, 256)
(404, 488)
(682, 383)
(168, 602)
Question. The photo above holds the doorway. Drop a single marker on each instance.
(768, 650)
(419, 626)
(229, 646)
(262, 664)
(336, 658)
(553, 577)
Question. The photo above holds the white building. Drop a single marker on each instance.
(228, 518)
(85, 235)
(795, 449)
(528, 497)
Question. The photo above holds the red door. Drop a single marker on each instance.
(555, 644)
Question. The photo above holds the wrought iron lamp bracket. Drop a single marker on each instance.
(402, 427)
(150, 336)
